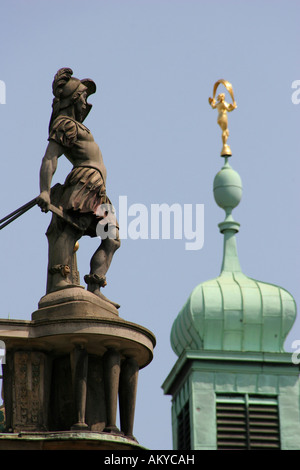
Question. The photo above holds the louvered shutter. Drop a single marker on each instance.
(184, 432)
(231, 423)
(264, 431)
(246, 422)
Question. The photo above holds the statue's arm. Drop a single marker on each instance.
(48, 168)
(212, 102)
(231, 107)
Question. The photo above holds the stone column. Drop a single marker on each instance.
(127, 395)
(111, 369)
(79, 365)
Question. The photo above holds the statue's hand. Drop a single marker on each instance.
(43, 201)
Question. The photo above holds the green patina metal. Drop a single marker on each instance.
(233, 312)
(209, 374)
(229, 337)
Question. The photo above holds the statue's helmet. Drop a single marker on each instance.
(67, 89)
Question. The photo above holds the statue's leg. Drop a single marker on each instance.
(61, 239)
(99, 266)
(102, 258)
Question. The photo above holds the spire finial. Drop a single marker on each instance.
(223, 108)
(227, 182)
(227, 194)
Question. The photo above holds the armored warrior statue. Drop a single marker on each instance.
(82, 198)
(86, 358)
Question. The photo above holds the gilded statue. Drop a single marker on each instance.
(223, 108)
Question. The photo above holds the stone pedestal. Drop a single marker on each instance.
(68, 369)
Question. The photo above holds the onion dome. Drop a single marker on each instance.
(233, 312)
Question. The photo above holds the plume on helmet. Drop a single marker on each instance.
(61, 77)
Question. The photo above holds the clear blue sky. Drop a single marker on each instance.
(155, 63)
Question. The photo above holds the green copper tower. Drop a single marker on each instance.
(233, 385)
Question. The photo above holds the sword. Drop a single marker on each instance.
(18, 212)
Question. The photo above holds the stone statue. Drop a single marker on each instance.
(82, 198)
(223, 108)
(72, 371)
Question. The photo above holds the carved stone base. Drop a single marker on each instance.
(26, 390)
(70, 366)
(67, 440)
(73, 302)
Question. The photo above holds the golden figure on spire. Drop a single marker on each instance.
(223, 108)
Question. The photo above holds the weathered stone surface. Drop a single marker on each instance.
(67, 441)
(69, 366)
